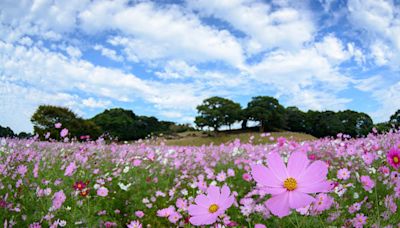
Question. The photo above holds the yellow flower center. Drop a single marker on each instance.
(290, 184)
(213, 208)
(396, 159)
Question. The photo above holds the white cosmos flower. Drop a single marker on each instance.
(123, 186)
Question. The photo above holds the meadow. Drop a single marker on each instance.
(330, 182)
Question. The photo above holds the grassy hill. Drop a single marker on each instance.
(202, 138)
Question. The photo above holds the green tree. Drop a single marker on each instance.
(395, 119)
(295, 120)
(121, 123)
(355, 123)
(46, 116)
(217, 111)
(6, 132)
(267, 111)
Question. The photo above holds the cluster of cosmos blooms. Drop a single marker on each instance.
(339, 182)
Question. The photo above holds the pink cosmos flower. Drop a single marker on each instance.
(174, 217)
(221, 177)
(259, 226)
(58, 199)
(134, 224)
(323, 202)
(359, 221)
(70, 169)
(290, 186)
(57, 125)
(343, 174)
(21, 170)
(393, 157)
(209, 207)
(102, 191)
(139, 214)
(367, 183)
(246, 177)
(64, 132)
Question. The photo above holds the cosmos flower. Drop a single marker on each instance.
(79, 185)
(359, 221)
(64, 132)
(290, 186)
(70, 169)
(134, 224)
(367, 183)
(393, 157)
(343, 174)
(58, 199)
(209, 207)
(57, 125)
(102, 191)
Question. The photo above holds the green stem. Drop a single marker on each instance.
(377, 201)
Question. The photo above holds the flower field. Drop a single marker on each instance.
(338, 182)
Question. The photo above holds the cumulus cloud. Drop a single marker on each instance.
(169, 56)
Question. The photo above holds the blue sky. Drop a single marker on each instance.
(162, 58)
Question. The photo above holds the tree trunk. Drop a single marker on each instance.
(262, 126)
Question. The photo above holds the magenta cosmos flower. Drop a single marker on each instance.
(209, 207)
(290, 186)
(393, 157)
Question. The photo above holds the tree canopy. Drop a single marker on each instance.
(46, 116)
(267, 111)
(215, 112)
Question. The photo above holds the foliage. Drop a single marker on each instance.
(295, 120)
(267, 111)
(6, 132)
(46, 116)
(215, 112)
(395, 119)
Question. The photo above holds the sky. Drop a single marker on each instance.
(163, 58)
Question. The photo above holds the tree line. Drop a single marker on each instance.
(115, 123)
(216, 112)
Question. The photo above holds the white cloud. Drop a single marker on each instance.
(309, 77)
(177, 69)
(332, 49)
(109, 53)
(266, 27)
(380, 53)
(171, 31)
(381, 20)
(93, 103)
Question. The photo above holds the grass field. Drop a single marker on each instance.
(199, 138)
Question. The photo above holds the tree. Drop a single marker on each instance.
(267, 111)
(321, 124)
(395, 119)
(121, 123)
(6, 132)
(217, 111)
(355, 124)
(46, 116)
(295, 120)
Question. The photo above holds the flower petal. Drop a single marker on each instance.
(203, 219)
(274, 191)
(213, 193)
(265, 176)
(297, 164)
(316, 172)
(276, 165)
(298, 199)
(203, 201)
(323, 186)
(279, 205)
(225, 192)
(197, 210)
